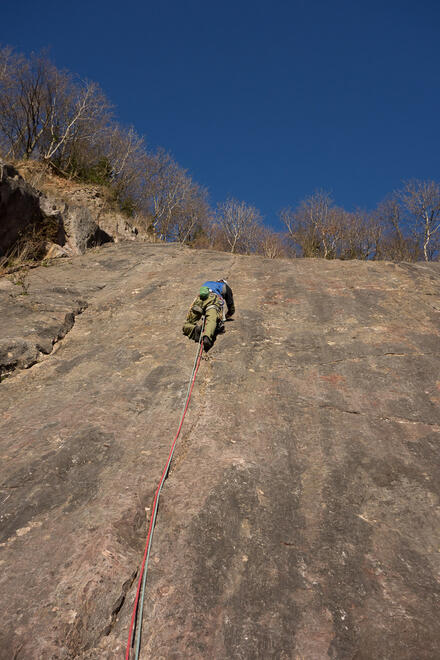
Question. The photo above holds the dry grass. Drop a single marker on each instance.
(30, 247)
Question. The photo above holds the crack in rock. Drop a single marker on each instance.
(117, 606)
(397, 420)
(370, 357)
(20, 354)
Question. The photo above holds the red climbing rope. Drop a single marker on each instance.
(144, 565)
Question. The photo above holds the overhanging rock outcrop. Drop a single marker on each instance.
(19, 206)
(66, 218)
(300, 518)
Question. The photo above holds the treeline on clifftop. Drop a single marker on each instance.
(53, 116)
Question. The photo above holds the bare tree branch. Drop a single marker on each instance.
(240, 223)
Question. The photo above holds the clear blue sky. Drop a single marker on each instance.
(263, 101)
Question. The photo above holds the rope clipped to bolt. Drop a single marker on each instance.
(135, 632)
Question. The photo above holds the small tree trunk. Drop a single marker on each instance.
(425, 247)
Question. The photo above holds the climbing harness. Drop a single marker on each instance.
(135, 631)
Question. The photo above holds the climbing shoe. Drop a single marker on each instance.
(207, 343)
(220, 327)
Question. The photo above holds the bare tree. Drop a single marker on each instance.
(395, 243)
(44, 112)
(5, 55)
(79, 113)
(318, 228)
(193, 215)
(421, 200)
(25, 91)
(120, 154)
(300, 234)
(271, 244)
(215, 237)
(359, 235)
(314, 225)
(240, 224)
(318, 211)
(122, 147)
(164, 188)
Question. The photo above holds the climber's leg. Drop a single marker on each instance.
(210, 323)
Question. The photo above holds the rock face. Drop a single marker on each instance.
(300, 517)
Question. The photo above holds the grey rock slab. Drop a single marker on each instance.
(300, 518)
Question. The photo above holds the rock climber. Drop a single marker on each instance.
(209, 303)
